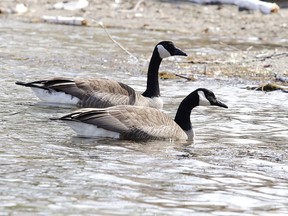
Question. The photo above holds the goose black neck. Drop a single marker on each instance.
(152, 87)
(182, 117)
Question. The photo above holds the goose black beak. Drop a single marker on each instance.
(179, 52)
(220, 104)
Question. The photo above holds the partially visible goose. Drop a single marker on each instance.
(140, 123)
(73, 91)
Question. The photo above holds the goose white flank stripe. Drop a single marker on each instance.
(89, 130)
(138, 122)
(104, 92)
(50, 97)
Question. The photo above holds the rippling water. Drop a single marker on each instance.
(238, 165)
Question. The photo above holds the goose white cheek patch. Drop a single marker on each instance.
(163, 53)
(203, 101)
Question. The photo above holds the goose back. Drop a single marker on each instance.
(101, 85)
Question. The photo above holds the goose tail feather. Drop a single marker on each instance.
(31, 85)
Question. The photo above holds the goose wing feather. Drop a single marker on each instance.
(104, 99)
(57, 84)
(83, 87)
(98, 117)
(126, 95)
(103, 85)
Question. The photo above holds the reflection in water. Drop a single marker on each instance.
(238, 165)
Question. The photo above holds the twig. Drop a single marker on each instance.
(184, 77)
(264, 57)
(137, 5)
(232, 47)
(118, 44)
(135, 8)
(249, 48)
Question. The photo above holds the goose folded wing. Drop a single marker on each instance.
(102, 99)
(103, 85)
(98, 117)
(146, 123)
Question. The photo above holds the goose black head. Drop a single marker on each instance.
(207, 98)
(167, 49)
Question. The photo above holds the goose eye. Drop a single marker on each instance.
(210, 96)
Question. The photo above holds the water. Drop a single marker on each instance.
(238, 165)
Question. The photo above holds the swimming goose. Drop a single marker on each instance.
(138, 122)
(70, 91)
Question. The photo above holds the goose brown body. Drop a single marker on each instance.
(105, 92)
(138, 122)
(131, 122)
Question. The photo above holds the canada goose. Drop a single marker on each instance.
(70, 91)
(138, 122)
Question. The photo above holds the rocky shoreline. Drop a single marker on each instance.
(261, 58)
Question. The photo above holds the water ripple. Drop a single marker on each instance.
(237, 166)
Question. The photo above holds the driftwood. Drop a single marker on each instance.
(18, 9)
(78, 21)
(268, 87)
(263, 57)
(281, 78)
(249, 5)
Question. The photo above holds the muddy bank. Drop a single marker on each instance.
(254, 45)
